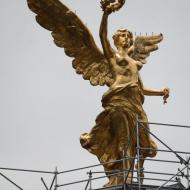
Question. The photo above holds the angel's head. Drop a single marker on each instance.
(123, 38)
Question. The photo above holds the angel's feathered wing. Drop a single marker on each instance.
(144, 45)
(71, 34)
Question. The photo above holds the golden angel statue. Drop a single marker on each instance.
(117, 68)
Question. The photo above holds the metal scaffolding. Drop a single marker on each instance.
(135, 180)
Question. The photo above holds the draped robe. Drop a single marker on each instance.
(115, 130)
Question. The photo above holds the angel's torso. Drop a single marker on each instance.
(126, 71)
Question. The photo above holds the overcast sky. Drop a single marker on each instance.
(45, 105)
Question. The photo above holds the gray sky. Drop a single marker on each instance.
(45, 105)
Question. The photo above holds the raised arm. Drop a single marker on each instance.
(108, 7)
(108, 51)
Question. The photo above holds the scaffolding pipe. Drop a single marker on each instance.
(44, 183)
(138, 156)
(87, 185)
(148, 172)
(171, 178)
(122, 172)
(10, 181)
(101, 177)
(26, 170)
(161, 150)
(166, 124)
(52, 182)
(56, 174)
(188, 184)
(90, 181)
(92, 166)
(177, 155)
(158, 160)
(124, 187)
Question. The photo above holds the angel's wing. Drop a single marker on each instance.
(143, 45)
(71, 34)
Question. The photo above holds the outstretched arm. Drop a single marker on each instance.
(108, 51)
(151, 92)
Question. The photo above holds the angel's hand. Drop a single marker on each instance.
(111, 6)
(166, 93)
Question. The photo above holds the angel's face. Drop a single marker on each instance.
(123, 39)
